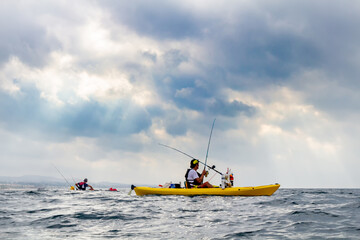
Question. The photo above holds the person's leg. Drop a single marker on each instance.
(206, 185)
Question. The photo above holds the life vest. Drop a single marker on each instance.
(190, 184)
(82, 185)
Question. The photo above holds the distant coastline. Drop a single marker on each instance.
(41, 181)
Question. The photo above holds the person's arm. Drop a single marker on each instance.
(200, 179)
(91, 188)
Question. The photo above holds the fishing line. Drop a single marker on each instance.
(74, 182)
(178, 151)
(212, 167)
(62, 175)
(211, 178)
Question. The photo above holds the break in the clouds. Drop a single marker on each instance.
(95, 86)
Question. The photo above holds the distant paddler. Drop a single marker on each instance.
(83, 185)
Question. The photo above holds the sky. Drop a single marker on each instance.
(93, 87)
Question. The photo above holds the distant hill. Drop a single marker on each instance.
(30, 179)
(53, 181)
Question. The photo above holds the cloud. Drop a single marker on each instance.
(161, 20)
(24, 35)
(28, 111)
(101, 83)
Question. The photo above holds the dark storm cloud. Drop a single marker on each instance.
(268, 42)
(276, 41)
(158, 19)
(331, 28)
(249, 45)
(176, 126)
(22, 36)
(229, 109)
(276, 56)
(261, 45)
(215, 106)
(174, 57)
(150, 55)
(206, 99)
(267, 45)
(28, 112)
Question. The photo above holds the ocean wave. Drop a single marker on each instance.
(58, 225)
(288, 214)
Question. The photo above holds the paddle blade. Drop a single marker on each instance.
(132, 188)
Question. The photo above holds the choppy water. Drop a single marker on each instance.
(53, 213)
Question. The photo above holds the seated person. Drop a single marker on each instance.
(193, 178)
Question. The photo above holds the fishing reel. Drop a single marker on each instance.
(207, 172)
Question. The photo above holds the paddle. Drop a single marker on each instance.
(132, 188)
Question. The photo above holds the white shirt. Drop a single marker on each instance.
(192, 175)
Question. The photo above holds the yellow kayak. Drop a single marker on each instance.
(266, 190)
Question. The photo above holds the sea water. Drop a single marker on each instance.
(58, 213)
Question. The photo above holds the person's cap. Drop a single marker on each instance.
(194, 161)
(85, 180)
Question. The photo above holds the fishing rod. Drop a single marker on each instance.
(212, 167)
(62, 175)
(75, 183)
(207, 151)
